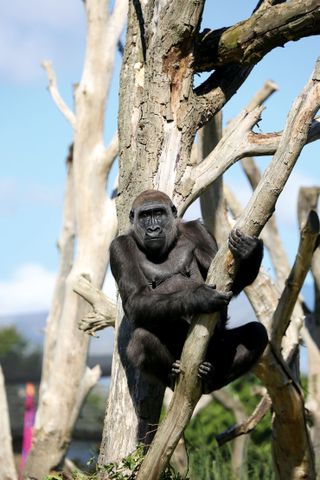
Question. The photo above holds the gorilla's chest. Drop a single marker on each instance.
(179, 270)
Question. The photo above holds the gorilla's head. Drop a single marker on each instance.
(154, 222)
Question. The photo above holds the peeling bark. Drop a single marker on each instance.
(69, 380)
(258, 211)
(308, 199)
(249, 41)
(7, 467)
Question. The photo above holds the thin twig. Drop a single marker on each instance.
(53, 89)
(247, 425)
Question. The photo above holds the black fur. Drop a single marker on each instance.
(160, 267)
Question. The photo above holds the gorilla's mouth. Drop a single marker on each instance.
(155, 238)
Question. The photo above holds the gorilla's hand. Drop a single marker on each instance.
(242, 246)
(206, 299)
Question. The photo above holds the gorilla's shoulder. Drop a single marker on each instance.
(197, 232)
(122, 242)
(192, 227)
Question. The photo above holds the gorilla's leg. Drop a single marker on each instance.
(147, 352)
(232, 353)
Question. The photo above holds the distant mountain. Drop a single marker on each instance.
(32, 327)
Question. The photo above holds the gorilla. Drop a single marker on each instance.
(160, 267)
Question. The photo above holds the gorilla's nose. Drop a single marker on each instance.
(154, 230)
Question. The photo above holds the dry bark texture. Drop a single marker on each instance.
(248, 41)
(7, 467)
(187, 391)
(160, 113)
(308, 200)
(89, 215)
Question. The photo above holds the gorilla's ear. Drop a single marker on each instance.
(131, 216)
(174, 211)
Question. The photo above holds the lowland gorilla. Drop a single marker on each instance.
(160, 267)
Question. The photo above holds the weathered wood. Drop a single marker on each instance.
(96, 224)
(250, 40)
(160, 113)
(308, 199)
(270, 234)
(213, 210)
(104, 309)
(7, 467)
(66, 250)
(247, 425)
(221, 272)
(246, 143)
(281, 318)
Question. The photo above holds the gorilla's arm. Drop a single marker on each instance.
(248, 250)
(205, 244)
(143, 304)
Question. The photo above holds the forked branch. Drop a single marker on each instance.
(53, 89)
(104, 309)
(221, 273)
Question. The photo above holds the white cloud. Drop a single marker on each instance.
(28, 290)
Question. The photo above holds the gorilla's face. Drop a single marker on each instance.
(154, 227)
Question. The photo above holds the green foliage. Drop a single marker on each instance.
(208, 461)
(11, 342)
(126, 469)
(16, 357)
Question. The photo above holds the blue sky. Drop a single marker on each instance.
(35, 136)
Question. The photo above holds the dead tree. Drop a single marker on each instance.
(308, 200)
(7, 467)
(89, 218)
(160, 114)
(263, 296)
(221, 273)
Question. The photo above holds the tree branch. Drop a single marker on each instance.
(231, 148)
(282, 315)
(53, 89)
(247, 425)
(88, 381)
(263, 4)
(211, 96)
(270, 234)
(110, 154)
(104, 309)
(221, 273)
(257, 100)
(242, 43)
(7, 467)
(238, 142)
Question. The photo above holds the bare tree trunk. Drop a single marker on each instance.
(308, 200)
(240, 444)
(211, 201)
(258, 211)
(67, 379)
(285, 392)
(160, 113)
(7, 466)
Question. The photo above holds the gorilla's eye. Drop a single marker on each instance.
(158, 213)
